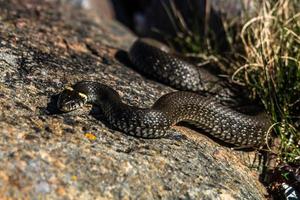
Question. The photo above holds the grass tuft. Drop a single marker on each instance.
(272, 69)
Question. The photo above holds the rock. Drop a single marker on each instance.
(45, 45)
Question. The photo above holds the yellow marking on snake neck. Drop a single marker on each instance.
(69, 88)
(82, 95)
(79, 93)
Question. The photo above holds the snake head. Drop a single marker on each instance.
(69, 100)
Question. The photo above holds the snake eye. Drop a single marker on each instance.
(70, 100)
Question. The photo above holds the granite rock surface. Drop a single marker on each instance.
(45, 154)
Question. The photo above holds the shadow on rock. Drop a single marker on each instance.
(216, 140)
(123, 57)
(51, 108)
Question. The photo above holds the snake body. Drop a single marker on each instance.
(204, 111)
(159, 62)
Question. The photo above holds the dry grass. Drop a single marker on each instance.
(272, 69)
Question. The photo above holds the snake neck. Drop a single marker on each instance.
(100, 95)
(130, 119)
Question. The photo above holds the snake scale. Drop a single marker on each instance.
(205, 111)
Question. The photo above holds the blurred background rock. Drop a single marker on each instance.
(140, 15)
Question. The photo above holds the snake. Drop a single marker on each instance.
(198, 101)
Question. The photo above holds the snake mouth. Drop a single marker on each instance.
(69, 106)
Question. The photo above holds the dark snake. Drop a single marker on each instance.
(194, 106)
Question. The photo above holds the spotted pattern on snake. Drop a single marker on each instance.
(204, 111)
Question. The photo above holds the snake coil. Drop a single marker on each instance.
(204, 111)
